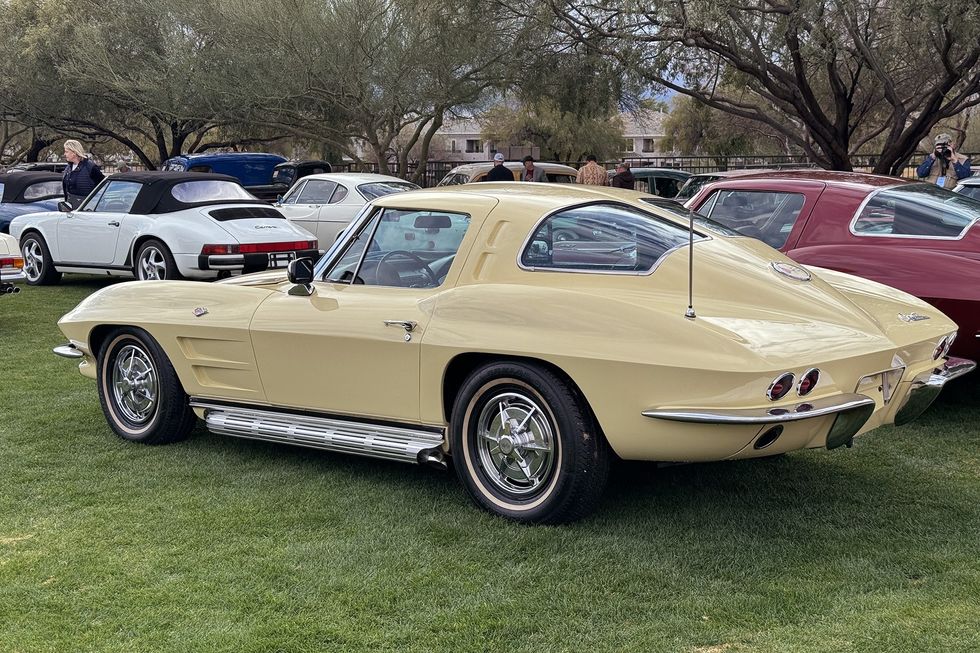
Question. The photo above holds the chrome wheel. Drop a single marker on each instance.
(152, 264)
(515, 443)
(135, 384)
(33, 260)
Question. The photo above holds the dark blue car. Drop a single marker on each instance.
(28, 192)
(249, 168)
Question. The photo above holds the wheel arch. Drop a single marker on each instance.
(462, 365)
(137, 243)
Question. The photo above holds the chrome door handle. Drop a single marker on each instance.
(408, 325)
(113, 224)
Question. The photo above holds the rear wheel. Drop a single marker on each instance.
(38, 266)
(140, 393)
(154, 262)
(526, 446)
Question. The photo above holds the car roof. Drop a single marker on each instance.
(543, 197)
(355, 177)
(661, 171)
(856, 180)
(15, 183)
(225, 155)
(480, 166)
(154, 197)
(970, 181)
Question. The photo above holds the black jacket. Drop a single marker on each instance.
(623, 180)
(499, 173)
(81, 179)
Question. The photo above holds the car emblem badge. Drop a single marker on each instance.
(791, 271)
(200, 311)
(912, 317)
(265, 226)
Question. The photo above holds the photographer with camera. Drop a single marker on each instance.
(936, 169)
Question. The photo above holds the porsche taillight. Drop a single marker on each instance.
(12, 262)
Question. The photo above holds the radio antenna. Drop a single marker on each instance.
(690, 271)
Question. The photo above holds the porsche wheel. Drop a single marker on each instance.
(525, 446)
(140, 393)
(38, 266)
(154, 262)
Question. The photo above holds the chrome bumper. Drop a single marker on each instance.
(804, 410)
(68, 351)
(852, 411)
(927, 386)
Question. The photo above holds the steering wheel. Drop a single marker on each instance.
(422, 265)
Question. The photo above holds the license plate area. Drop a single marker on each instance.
(280, 259)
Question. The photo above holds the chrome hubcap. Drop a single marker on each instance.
(134, 384)
(516, 443)
(33, 260)
(152, 265)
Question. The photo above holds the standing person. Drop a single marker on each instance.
(81, 175)
(499, 171)
(592, 173)
(936, 169)
(623, 177)
(530, 173)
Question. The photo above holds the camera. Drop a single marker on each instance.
(943, 151)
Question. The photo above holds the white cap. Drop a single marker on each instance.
(498, 156)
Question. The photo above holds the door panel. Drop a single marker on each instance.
(332, 352)
(88, 237)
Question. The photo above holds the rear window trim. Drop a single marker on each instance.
(699, 237)
(867, 200)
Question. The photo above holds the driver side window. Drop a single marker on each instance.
(402, 248)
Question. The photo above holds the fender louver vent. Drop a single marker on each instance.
(245, 212)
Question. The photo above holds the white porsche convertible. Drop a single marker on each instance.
(160, 225)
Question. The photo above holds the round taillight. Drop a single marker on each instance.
(808, 381)
(780, 387)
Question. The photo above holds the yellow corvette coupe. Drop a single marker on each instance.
(529, 332)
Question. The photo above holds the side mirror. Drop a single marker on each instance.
(64, 207)
(300, 272)
(278, 200)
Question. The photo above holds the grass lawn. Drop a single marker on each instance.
(218, 544)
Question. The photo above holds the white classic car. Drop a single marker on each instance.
(453, 323)
(326, 203)
(11, 265)
(160, 225)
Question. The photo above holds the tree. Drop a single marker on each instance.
(695, 128)
(382, 73)
(829, 76)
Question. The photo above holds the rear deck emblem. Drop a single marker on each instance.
(790, 270)
(199, 311)
(912, 317)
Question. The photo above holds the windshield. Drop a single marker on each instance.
(693, 185)
(209, 190)
(378, 189)
(917, 210)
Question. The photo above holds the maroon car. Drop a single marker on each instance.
(911, 235)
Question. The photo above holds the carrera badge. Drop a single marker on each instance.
(794, 272)
(912, 317)
(200, 311)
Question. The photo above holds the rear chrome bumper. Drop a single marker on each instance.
(852, 411)
(927, 386)
(804, 410)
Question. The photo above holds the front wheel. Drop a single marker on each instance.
(141, 396)
(154, 262)
(526, 446)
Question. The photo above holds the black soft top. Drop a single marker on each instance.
(15, 183)
(155, 196)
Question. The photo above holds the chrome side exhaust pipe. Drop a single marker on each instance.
(433, 458)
